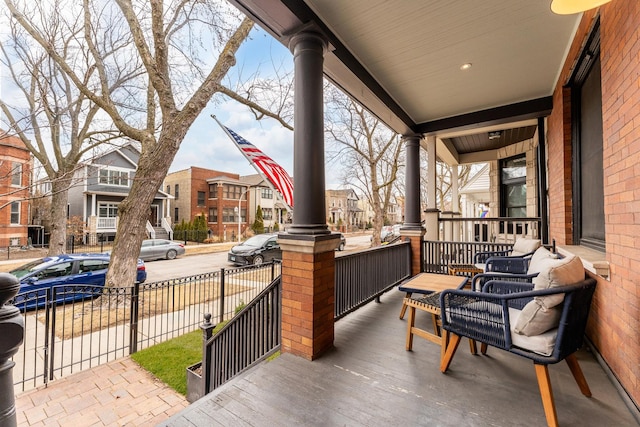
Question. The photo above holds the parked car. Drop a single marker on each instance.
(64, 270)
(343, 242)
(386, 233)
(256, 250)
(389, 233)
(160, 249)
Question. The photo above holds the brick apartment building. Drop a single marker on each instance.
(214, 194)
(15, 173)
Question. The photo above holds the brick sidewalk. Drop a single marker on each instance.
(118, 393)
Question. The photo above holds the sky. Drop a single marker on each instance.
(206, 145)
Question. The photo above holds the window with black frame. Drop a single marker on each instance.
(513, 191)
(587, 146)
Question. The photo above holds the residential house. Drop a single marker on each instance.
(475, 195)
(219, 196)
(15, 175)
(274, 209)
(550, 101)
(394, 212)
(393, 215)
(106, 180)
(216, 195)
(342, 208)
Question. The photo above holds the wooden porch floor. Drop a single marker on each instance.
(369, 379)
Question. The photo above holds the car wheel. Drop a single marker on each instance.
(341, 247)
(258, 260)
(172, 254)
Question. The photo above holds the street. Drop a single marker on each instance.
(206, 263)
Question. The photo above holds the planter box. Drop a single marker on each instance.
(195, 383)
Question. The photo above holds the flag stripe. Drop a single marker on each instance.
(277, 176)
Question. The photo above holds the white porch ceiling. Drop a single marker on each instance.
(402, 58)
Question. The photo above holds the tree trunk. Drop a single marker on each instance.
(133, 211)
(378, 220)
(59, 202)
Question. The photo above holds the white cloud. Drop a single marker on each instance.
(206, 145)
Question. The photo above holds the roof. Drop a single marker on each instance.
(226, 179)
(478, 183)
(402, 60)
(254, 180)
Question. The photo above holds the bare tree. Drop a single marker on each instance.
(443, 181)
(50, 115)
(183, 49)
(370, 153)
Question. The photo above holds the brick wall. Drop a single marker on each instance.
(308, 300)
(614, 324)
(190, 182)
(13, 150)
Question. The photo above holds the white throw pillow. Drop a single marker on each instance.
(537, 259)
(555, 273)
(536, 319)
(524, 246)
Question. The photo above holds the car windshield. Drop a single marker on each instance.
(257, 241)
(31, 267)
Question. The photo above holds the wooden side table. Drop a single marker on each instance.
(426, 283)
(468, 270)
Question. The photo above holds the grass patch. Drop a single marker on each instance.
(168, 361)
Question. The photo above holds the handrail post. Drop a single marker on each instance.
(12, 325)
(207, 333)
(221, 314)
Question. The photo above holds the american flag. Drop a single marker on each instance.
(266, 166)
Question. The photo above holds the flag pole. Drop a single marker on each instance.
(224, 128)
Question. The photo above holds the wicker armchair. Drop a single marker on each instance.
(518, 264)
(489, 317)
(478, 281)
(513, 260)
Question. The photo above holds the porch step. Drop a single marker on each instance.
(161, 233)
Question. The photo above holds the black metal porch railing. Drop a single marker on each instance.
(251, 336)
(254, 333)
(97, 325)
(438, 255)
(362, 276)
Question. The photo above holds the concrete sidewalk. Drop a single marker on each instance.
(119, 393)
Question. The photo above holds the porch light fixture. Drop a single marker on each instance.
(567, 7)
(495, 134)
(465, 66)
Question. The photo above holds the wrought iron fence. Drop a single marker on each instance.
(198, 236)
(71, 328)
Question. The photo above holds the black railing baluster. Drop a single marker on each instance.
(133, 320)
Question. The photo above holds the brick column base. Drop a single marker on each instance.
(308, 293)
(416, 238)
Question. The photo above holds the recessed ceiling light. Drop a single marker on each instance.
(495, 134)
(465, 66)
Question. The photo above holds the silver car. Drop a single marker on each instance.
(160, 249)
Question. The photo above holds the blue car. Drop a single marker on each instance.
(78, 270)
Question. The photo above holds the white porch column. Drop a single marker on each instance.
(455, 202)
(432, 212)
